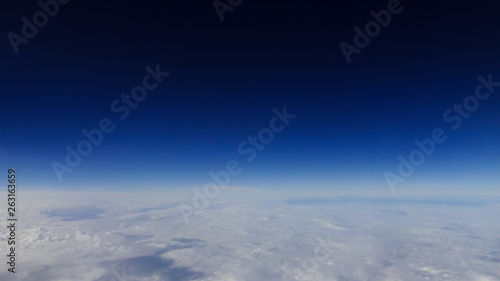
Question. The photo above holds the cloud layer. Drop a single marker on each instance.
(73, 236)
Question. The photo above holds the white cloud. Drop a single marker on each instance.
(106, 236)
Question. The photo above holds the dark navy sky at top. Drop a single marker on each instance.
(353, 119)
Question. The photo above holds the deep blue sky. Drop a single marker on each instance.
(226, 77)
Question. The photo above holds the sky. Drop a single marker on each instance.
(352, 120)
